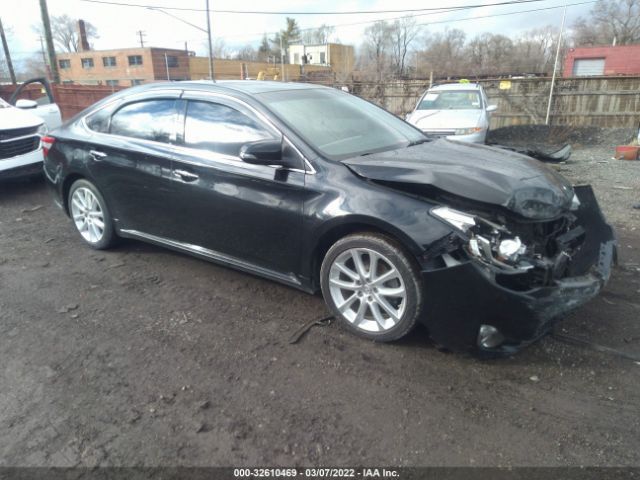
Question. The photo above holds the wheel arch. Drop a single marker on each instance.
(348, 226)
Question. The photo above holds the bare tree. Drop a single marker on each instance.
(402, 33)
(534, 50)
(376, 47)
(320, 35)
(247, 53)
(443, 52)
(609, 21)
(65, 32)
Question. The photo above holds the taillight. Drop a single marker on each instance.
(47, 143)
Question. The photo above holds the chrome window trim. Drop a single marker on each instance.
(199, 93)
(309, 168)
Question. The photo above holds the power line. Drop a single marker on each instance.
(329, 12)
(260, 34)
(509, 13)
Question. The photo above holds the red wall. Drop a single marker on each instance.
(620, 60)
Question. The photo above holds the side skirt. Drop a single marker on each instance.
(216, 257)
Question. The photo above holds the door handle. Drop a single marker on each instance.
(97, 155)
(186, 176)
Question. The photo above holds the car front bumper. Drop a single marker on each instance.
(478, 137)
(22, 165)
(462, 298)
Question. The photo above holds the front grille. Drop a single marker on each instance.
(13, 148)
(17, 132)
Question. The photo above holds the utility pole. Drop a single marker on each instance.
(7, 55)
(166, 66)
(555, 66)
(141, 34)
(46, 23)
(44, 58)
(281, 61)
(211, 70)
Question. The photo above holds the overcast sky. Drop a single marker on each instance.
(117, 25)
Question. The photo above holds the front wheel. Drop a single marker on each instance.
(372, 286)
(90, 215)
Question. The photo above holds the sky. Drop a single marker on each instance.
(117, 25)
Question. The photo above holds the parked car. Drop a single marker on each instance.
(321, 190)
(22, 123)
(458, 111)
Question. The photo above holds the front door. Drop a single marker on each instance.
(251, 213)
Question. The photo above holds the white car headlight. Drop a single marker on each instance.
(468, 131)
(42, 130)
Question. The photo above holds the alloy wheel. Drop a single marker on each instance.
(367, 289)
(87, 214)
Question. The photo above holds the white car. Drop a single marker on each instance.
(21, 129)
(457, 111)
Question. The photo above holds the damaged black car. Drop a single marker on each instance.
(323, 191)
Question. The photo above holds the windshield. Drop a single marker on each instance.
(454, 100)
(339, 125)
(4, 104)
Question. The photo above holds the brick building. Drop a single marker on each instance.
(124, 66)
(605, 60)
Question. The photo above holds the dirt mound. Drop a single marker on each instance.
(543, 135)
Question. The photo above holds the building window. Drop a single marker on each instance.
(109, 61)
(136, 81)
(135, 59)
(172, 61)
(65, 63)
(322, 58)
(296, 58)
(87, 62)
(112, 83)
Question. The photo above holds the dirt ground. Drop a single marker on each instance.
(143, 356)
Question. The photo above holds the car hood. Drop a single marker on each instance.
(12, 117)
(475, 172)
(450, 119)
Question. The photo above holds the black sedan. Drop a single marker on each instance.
(320, 190)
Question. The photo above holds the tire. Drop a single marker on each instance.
(382, 307)
(90, 215)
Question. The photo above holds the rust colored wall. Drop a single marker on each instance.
(619, 60)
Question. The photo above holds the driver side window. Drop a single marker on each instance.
(220, 129)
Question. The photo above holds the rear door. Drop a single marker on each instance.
(130, 160)
(248, 212)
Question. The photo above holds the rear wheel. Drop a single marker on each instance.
(372, 286)
(90, 215)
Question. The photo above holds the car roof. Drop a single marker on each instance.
(243, 86)
(456, 86)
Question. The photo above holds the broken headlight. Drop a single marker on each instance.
(487, 241)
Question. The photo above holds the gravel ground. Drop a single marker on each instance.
(142, 356)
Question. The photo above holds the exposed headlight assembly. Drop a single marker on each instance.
(42, 130)
(487, 241)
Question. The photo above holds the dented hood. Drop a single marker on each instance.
(476, 172)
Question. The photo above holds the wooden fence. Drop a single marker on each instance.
(582, 101)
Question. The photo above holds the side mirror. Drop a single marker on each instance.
(264, 152)
(492, 108)
(26, 104)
